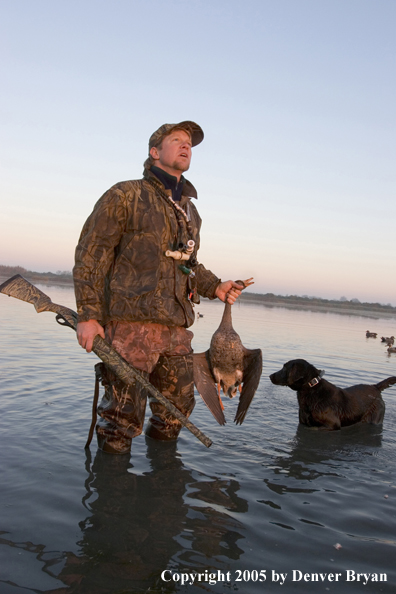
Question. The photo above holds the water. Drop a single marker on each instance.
(268, 498)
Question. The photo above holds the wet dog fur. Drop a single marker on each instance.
(324, 405)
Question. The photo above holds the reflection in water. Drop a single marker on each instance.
(129, 535)
(140, 525)
(314, 454)
(314, 462)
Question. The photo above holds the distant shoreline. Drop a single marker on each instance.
(316, 304)
(369, 310)
(59, 278)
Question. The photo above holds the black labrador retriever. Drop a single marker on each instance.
(323, 405)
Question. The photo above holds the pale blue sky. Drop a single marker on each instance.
(296, 175)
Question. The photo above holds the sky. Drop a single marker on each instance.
(296, 174)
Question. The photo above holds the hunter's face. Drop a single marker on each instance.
(174, 155)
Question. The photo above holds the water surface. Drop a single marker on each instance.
(269, 496)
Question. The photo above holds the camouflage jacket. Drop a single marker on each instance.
(121, 272)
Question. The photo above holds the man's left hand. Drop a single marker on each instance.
(229, 290)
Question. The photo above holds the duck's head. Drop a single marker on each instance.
(230, 383)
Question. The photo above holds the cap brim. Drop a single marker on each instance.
(194, 130)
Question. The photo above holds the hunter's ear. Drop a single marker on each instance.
(154, 152)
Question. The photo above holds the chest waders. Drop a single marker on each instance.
(123, 406)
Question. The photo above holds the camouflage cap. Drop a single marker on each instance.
(192, 128)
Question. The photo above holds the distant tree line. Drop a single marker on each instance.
(342, 304)
(60, 275)
(65, 276)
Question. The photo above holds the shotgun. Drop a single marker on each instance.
(20, 288)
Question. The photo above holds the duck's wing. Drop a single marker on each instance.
(253, 367)
(206, 385)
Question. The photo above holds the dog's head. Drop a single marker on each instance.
(294, 374)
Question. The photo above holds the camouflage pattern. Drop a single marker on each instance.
(191, 128)
(164, 356)
(121, 256)
(173, 377)
(121, 410)
(141, 344)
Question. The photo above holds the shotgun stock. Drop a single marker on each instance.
(22, 289)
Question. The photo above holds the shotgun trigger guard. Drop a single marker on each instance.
(62, 321)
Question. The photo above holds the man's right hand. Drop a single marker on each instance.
(86, 332)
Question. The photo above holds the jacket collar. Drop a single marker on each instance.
(188, 188)
(170, 182)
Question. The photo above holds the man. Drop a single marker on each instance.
(141, 300)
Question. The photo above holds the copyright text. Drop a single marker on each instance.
(264, 575)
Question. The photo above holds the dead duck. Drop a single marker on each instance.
(227, 364)
(371, 334)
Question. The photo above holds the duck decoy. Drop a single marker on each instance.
(227, 364)
(371, 334)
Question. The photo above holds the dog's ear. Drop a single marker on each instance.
(300, 370)
(296, 373)
(295, 377)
